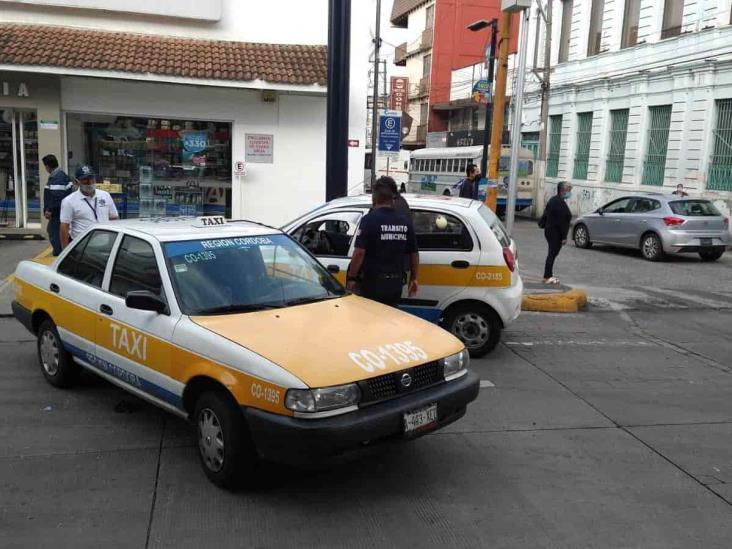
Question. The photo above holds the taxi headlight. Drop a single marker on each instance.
(456, 365)
(321, 400)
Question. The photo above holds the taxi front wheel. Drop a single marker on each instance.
(56, 363)
(227, 454)
(476, 325)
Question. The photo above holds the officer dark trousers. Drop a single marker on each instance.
(384, 288)
(54, 231)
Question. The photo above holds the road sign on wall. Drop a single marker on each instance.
(390, 133)
(399, 91)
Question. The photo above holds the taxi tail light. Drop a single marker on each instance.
(672, 221)
(726, 222)
(509, 259)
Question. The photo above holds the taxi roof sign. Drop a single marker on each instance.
(210, 221)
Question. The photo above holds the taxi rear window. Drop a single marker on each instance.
(216, 276)
(496, 226)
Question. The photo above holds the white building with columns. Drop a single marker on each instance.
(641, 99)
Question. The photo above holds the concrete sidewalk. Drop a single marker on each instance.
(13, 252)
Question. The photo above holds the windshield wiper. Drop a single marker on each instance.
(240, 308)
(311, 299)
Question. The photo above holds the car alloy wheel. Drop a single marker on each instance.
(651, 247)
(580, 237)
(49, 352)
(211, 440)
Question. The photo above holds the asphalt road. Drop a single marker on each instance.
(606, 428)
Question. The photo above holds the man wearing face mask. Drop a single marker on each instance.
(85, 207)
(555, 222)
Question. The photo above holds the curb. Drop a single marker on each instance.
(570, 301)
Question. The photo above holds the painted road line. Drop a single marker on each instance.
(581, 343)
(681, 295)
(485, 383)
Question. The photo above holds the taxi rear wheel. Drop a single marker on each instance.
(227, 454)
(477, 326)
(56, 363)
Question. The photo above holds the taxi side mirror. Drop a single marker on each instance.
(145, 300)
(333, 269)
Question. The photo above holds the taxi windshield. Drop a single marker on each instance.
(223, 275)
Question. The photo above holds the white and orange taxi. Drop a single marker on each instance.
(469, 281)
(236, 327)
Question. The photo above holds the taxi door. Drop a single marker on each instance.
(448, 255)
(78, 284)
(329, 237)
(134, 345)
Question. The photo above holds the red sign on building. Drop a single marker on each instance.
(399, 93)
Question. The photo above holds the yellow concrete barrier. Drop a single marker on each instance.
(565, 302)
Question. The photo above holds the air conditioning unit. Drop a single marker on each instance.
(515, 5)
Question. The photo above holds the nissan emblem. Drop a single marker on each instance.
(406, 380)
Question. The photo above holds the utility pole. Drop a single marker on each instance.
(339, 68)
(499, 98)
(375, 101)
(541, 164)
(488, 107)
(518, 103)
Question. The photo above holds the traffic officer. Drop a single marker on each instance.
(57, 188)
(85, 207)
(382, 240)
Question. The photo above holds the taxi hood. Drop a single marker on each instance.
(336, 341)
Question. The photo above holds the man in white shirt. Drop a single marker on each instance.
(85, 207)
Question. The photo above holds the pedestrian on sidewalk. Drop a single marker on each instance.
(680, 191)
(555, 222)
(468, 187)
(383, 239)
(57, 188)
(85, 207)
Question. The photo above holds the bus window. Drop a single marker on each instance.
(438, 165)
(449, 164)
(413, 165)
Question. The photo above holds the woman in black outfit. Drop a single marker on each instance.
(556, 221)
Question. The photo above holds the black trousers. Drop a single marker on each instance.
(388, 292)
(555, 246)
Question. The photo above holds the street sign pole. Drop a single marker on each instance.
(516, 126)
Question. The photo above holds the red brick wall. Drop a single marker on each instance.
(454, 46)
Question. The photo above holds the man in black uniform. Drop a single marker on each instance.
(383, 239)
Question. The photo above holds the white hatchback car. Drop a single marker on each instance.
(469, 280)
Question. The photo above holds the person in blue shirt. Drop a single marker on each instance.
(383, 239)
(57, 188)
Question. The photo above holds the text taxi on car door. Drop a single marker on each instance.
(468, 277)
(238, 328)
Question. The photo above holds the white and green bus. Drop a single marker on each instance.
(438, 171)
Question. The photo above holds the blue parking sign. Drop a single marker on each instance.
(390, 133)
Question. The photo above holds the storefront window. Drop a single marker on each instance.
(155, 166)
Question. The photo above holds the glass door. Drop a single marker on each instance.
(20, 183)
(8, 167)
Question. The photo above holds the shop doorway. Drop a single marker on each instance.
(20, 189)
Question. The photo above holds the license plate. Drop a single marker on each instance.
(706, 241)
(422, 418)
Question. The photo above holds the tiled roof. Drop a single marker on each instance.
(401, 9)
(142, 53)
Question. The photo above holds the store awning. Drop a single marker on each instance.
(72, 48)
(455, 105)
